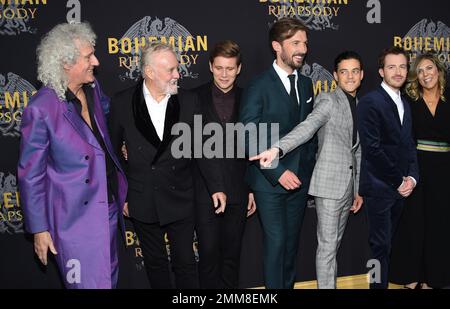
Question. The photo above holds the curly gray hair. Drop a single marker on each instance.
(57, 48)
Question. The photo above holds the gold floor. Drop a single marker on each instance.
(348, 282)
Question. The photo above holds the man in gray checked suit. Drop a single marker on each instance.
(335, 180)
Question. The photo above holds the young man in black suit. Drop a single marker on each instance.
(220, 235)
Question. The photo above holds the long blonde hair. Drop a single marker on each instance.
(413, 87)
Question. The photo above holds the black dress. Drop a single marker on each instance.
(420, 248)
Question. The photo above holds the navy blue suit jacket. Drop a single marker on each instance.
(388, 148)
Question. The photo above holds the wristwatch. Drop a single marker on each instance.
(280, 152)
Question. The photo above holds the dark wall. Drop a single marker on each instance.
(366, 26)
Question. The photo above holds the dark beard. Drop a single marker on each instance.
(289, 61)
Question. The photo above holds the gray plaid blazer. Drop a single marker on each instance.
(338, 162)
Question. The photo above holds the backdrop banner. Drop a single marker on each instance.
(193, 27)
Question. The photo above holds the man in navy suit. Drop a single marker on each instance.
(281, 95)
(389, 170)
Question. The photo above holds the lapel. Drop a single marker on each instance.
(391, 102)
(208, 104)
(145, 125)
(342, 100)
(357, 131)
(407, 112)
(237, 103)
(172, 117)
(142, 118)
(301, 95)
(98, 114)
(99, 119)
(280, 89)
(80, 126)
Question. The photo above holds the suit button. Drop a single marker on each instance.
(153, 167)
(173, 168)
(140, 148)
(350, 167)
(156, 187)
(86, 157)
(85, 203)
(172, 187)
(86, 181)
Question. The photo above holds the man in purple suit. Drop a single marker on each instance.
(72, 186)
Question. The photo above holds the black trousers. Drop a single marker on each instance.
(180, 236)
(219, 244)
(383, 218)
(419, 251)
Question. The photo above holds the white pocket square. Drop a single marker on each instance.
(309, 100)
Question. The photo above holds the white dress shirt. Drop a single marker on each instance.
(396, 97)
(285, 79)
(157, 111)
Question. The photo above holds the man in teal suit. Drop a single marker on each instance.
(281, 95)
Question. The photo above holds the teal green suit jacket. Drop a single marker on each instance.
(266, 100)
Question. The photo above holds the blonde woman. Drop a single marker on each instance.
(420, 253)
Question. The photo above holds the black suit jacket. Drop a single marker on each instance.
(232, 169)
(160, 186)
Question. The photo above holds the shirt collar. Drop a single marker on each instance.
(70, 96)
(395, 95)
(219, 93)
(349, 96)
(147, 93)
(282, 73)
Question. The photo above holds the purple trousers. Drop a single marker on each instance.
(113, 213)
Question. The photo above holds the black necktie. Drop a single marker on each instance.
(293, 93)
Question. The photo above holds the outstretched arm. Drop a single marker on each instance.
(302, 133)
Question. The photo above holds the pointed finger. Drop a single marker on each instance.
(254, 158)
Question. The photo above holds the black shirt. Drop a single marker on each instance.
(428, 127)
(111, 173)
(352, 102)
(223, 103)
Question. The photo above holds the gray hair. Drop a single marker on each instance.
(149, 50)
(58, 48)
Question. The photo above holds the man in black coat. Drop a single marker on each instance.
(220, 235)
(161, 192)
